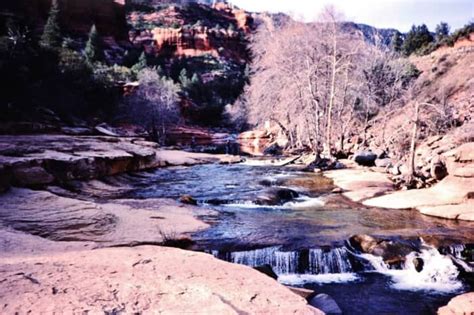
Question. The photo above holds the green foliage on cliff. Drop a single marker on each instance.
(94, 51)
(59, 79)
(396, 42)
(51, 36)
(441, 31)
(141, 64)
(416, 39)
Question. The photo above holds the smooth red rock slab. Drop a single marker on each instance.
(460, 305)
(142, 279)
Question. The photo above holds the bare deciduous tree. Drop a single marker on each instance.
(155, 104)
(306, 79)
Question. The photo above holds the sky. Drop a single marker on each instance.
(398, 14)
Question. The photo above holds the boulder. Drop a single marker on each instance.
(392, 252)
(404, 169)
(267, 270)
(273, 149)
(276, 196)
(365, 158)
(304, 293)
(105, 130)
(462, 304)
(465, 153)
(419, 263)
(31, 176)
(464, 171)
(438, 170)
(383, 162)
(187, 199)
(76, 131)
(138, 279)
(325, 303)
(363, 243)
(380, 153)
(395, 170)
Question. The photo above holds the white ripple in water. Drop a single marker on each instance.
(438, 274)
(304, 202)
(300, 279)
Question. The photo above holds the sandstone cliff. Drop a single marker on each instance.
(193, 30)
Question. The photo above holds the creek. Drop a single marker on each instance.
(304, 239)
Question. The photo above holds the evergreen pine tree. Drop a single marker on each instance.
(396, 41)
(441, 31)
(141, 64)
(195, 79)
(159, 71)
(416, 38)
(184, 79)
(51, 36)
(93, 51)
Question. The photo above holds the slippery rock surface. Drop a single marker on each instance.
(33, 160)
(141, 279)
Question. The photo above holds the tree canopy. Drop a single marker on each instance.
(51, 36)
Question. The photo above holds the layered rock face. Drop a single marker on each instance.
(77, 17)
(51, 159)
(190, 40)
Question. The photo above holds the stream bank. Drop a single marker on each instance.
(280, 216)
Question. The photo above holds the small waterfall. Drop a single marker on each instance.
(313, 261)
(254, 258)
(334, 261)
(455, 250)
(286, 262)
(339, 265)
(438, 272)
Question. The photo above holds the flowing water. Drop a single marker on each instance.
(304, 240)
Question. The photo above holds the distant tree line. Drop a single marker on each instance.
(421, 41)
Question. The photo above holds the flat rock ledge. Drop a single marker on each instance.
(360, 183)
(47, 221)
(33, 160)
(451, 198)
(140, 279)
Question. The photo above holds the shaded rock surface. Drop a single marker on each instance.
(46, 159)
(140, 279)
